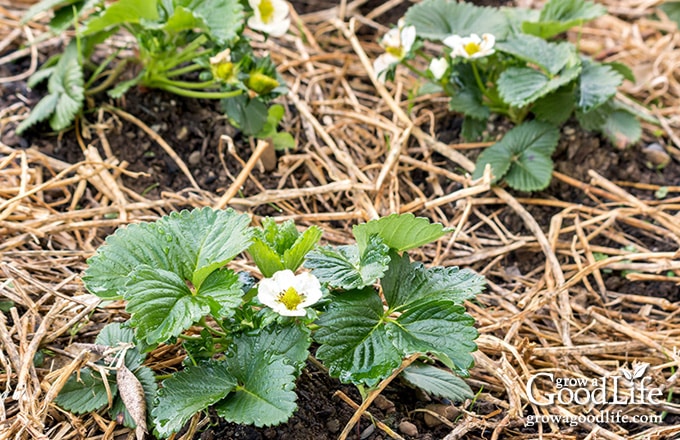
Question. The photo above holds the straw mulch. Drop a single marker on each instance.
(372, 153)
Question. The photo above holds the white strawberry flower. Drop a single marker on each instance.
(288, 294)
(472, 46)
(270, 16)
(397, 43)
(438, 67)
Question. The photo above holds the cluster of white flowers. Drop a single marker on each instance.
(270, 16)
(398, 42)
(288, 294)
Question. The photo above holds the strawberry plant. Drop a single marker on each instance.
(367, 306)
(192, 48)
(508, 61)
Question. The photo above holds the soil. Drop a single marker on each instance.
(194, 128)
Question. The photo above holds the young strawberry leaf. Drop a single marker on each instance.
(597, 84)
(550, 56)
(520, 86)
(557, 107)
(522, 156)
(122, 12)
(406, 283)
(353, 338)
(438, 19)
(115, 334)
(559, 16)
(66, 95)
(278, 247)
(437, 382)
(264, 394)
(191, 390)
(163, 306)
(85, 392)
(347, 267)
(191, 244)
(400, 232)
(439, 327)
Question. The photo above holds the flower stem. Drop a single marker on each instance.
(414, 70)
(478, 78)
(182, 70)
(196, 93)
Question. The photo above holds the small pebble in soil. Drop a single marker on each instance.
(656, 155)
(333, 425)
(182, 133)
(408, 428)
(383, 403)
(194, 158)
(366, 433)
(447, 411)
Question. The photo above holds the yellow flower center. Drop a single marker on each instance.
(472, 48)
(291, 298)
(266, 10)
(395, 51)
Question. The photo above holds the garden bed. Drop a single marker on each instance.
(583, 276)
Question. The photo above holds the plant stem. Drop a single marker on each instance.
(187, 84)
(212, 330)
(196, 93)
(478, 78)
(414, 70)
(113, 76)
(182, 70)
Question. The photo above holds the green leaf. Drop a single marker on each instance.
(550, 56)
(672, 9)
(289, 342)
(353, 338)
(264, 395)
(66, 15)
(622, 128)
(623, 70)
(522, 156)
(191, 390)
(122, 87)
(439, 327)
(469, 102)
(266, 259)
(114, 334)
(278, 247)
(283, 141)
(161, 304)
(67, 82)
(346, 268)
(472, 128)
(597, 84)
(556, 107)
(40, 112)
(222, 292)
(405, 283)
(122, 12)
(65, 99)
(295, 255)
(84, 392)
(191, 244)
(400, 232)
(520, 86)
(148, 380)
(249, 115)
(43, 6)
(437, 381)
(38, 77)
(558, 16)
(223, 18)
(438, 19)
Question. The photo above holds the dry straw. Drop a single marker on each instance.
(365, 151)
